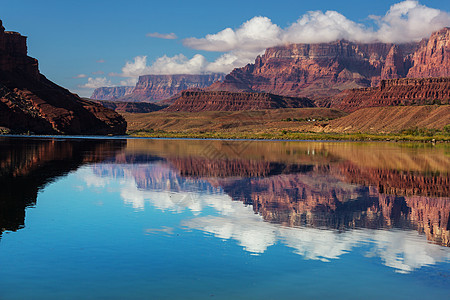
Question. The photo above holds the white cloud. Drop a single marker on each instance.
(410, 21)
(80, 76)
(257, 33)
(97, 82)
(129, 82)
(101, 61)
(166, 36)
(403, 22)
(98, 73)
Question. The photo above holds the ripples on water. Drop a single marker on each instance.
(227, 219)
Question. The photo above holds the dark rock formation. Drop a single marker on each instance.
(405, 91)
(131, 107)
(227, 101)
(154, 88)
(111, 93)
(29, 102)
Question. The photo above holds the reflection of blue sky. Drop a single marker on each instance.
(402, 250)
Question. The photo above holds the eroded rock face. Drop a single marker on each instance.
(405, 91)
(154, 88)
(432, 59)
(111, 93)
(131, 107)
(321, 70)
(194, 101)
(29, 102)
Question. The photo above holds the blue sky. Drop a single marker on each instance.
(82, 44)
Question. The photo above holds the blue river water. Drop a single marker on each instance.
(200, 219)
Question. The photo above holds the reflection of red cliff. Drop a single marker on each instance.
(200, 167)
(396, 182)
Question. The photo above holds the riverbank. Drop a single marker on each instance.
(288, 135)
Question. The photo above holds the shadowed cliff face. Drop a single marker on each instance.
(29, 102)
(334, 186)
(28, 165)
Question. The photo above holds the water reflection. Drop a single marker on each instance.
(322, 200)
(28, 165)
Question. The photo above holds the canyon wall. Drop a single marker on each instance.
(29, 102)
(111, 93)
(319, 71)
(130, 107)
(432, 59)
(194, 101)
(154, 88)
(394, 92)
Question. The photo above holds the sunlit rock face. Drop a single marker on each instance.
(195, 101)
(321, 71)
(406, 91)
(29, 102)
(154, 88)
(432, 59)
(111, 93)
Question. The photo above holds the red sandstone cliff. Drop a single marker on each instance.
(405, 91)
(319, 71)
(131, 107)
(226, 101)
(29, 102)
(154, 88)
(111, 93)
(432, 59)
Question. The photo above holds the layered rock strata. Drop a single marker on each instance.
(131, 107)
(154, 88)
(111, 93)
(227, 101)
(394, 92)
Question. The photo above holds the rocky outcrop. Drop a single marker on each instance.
(111, 93)
(29, 102)
(432, 59)
(228, 101)
(154, 88)
(405, 91)
(318, 71)
(131, 107)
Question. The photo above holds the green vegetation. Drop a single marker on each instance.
(406, 135)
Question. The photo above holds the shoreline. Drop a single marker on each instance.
(261, 136)
(296, 136)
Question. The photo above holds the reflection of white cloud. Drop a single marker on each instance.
(91, 179)
(406, 251)
(403, 251)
